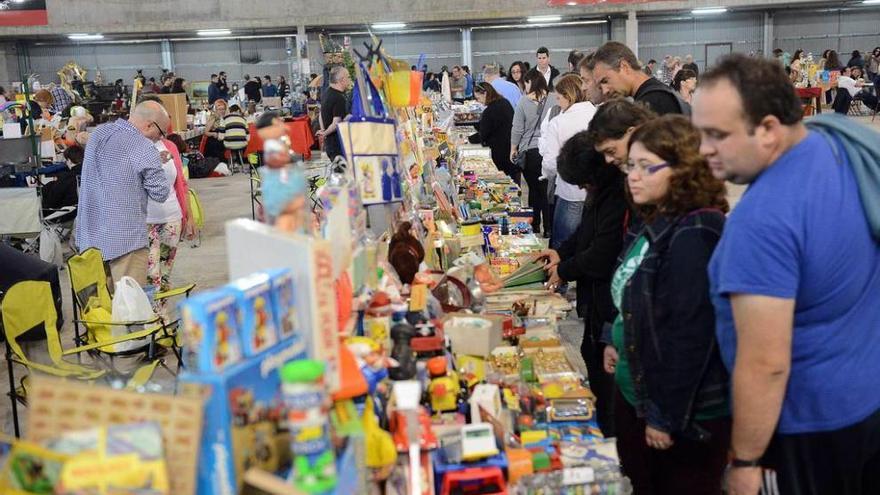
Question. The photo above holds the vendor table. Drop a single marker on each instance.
(301, 138)
(807, 94)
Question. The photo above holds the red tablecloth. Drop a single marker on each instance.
(807, 94)
(300, 132)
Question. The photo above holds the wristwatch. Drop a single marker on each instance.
(742, 463)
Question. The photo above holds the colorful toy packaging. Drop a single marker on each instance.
(258, 325)
(283, 302)
(211, 331)
(244, 412)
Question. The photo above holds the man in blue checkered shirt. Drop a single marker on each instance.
(120, 170)
(62, 98)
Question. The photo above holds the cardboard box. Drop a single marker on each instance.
(57, 406)
(243, 412)
(256, 313)
(254, 246)
(177, 108)
(476, 335)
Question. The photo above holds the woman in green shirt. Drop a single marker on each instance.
(672, 412)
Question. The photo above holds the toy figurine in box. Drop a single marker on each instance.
(211, 331)
(243, 420)
(258, 330)
(283, 302)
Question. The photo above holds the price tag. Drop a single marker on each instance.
(418, 299)
(578, 476)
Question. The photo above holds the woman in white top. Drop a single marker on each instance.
(575, 117)
(163, 223)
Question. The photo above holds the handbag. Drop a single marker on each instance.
(369, 144)
(521, 153)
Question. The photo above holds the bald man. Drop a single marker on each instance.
(120, 171)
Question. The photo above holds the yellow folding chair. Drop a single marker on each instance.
(28, 305)
(89, 286)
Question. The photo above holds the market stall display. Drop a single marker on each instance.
(400, 341)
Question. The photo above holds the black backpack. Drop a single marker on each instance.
(683, 106)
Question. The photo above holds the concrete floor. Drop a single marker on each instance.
(206, 265)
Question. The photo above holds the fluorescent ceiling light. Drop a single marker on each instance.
(709, 11)
(85, 37)
(544, 18)
(213, 32)
(571, 4)
(389, 25)
(871, 2)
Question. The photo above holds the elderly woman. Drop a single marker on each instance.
(214, 130)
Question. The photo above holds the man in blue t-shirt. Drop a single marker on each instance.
(795, 281)
(510, 91)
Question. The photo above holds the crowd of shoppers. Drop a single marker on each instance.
(727, 354)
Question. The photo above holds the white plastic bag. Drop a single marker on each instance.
(51, 250)
(222, 169)
(130, 303)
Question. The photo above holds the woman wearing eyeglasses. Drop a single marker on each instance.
(671, 408)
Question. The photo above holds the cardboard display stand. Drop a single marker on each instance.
(177, 107)
(59, 406)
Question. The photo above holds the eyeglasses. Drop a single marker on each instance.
(629, 167)
(161, 132)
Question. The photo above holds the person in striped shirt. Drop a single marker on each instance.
(234, 134)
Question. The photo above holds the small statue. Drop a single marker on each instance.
(402, 352)
(283, 183)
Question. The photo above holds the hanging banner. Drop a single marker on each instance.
(23, 13)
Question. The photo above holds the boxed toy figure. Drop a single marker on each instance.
(258, 325)
(211, 331)
(244, 413)
(283, 302)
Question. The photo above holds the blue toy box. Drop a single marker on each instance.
(259, 329)
(211, 331)
(243, 419)
(284, 302)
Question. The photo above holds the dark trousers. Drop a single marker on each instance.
(332, 146)
(537, 191)
(839, 462)
(689, 467)
(501, 158)
(601, 383)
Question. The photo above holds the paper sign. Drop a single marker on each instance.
(578, 476)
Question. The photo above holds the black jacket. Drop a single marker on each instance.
(589, 256)
(669, 323)
(252, 91)
(495, 125)
(554, 73)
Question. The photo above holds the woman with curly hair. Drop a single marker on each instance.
(671, 409)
